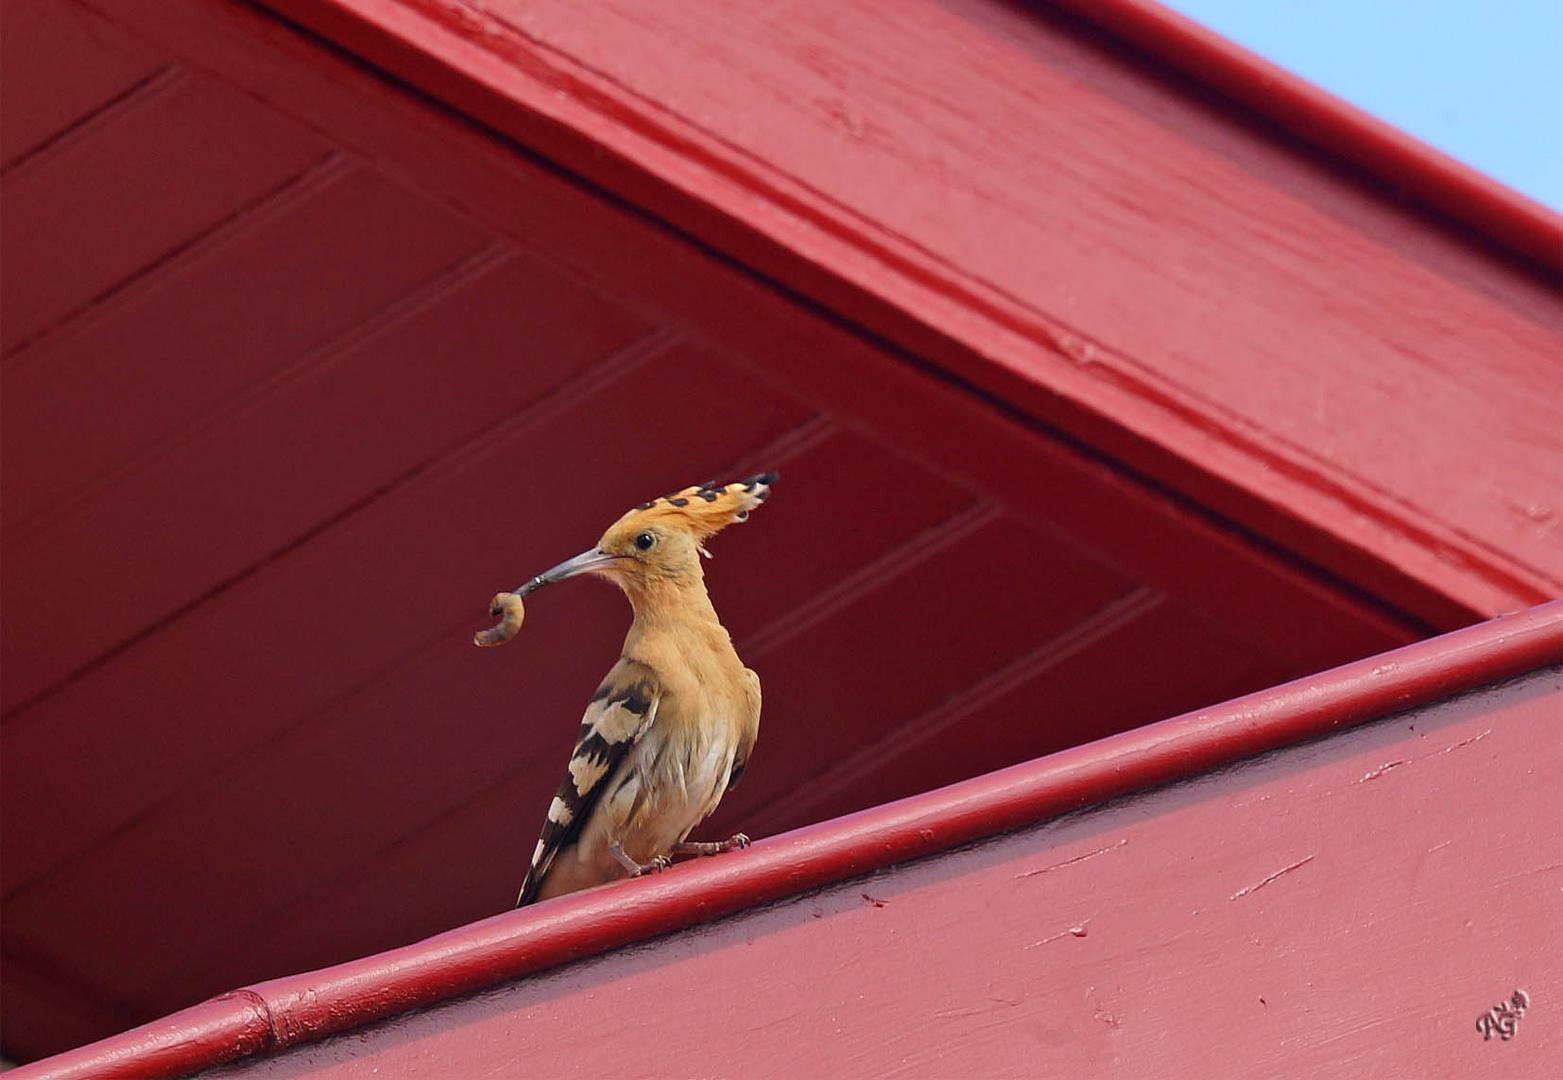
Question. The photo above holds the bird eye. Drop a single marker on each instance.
(644, 541)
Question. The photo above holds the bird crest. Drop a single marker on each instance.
(704, 509)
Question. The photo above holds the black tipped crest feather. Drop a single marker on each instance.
(705, 508)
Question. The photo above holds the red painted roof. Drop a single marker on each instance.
(301, 363)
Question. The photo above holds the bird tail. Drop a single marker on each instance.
(529, 887)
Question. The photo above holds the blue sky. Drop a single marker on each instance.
(1482, 81)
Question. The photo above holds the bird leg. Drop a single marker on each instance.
(635, 869)
(734, 842)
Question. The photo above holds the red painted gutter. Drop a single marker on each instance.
(273, 1015)
(1407, 165)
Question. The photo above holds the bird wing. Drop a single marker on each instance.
(619, 713)
(749, 732)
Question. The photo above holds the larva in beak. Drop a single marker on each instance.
(508, 607)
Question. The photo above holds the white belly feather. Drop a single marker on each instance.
(667, 784)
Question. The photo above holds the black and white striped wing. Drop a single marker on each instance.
(620, 712)
(748, 729)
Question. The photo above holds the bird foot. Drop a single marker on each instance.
(735, 842)
(634, 869)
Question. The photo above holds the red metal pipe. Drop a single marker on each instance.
(299, 1008)
(1428, 176)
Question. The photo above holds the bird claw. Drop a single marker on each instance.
(736, 842)
(632, 868)
(657, 864)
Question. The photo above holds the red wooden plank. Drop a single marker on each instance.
(449, 364)
(1010, 587)
(184, 158)
(292, 938)
(333, 254)
(46, 1008)
(903, 187)
(1363, 814)
(874, 499)
(180, 702)
(1166, 660)
(61, 65)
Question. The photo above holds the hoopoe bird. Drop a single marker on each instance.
(670, 729)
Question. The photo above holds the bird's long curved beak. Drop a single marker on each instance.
(584, 563)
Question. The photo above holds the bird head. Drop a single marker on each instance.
(662, 540)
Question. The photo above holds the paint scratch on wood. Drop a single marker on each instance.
(976, 1010)
(1374, 774)
(1467, 742)
(1080, 930)
(1549, 869)
(1077, 858)
(1283, 870)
